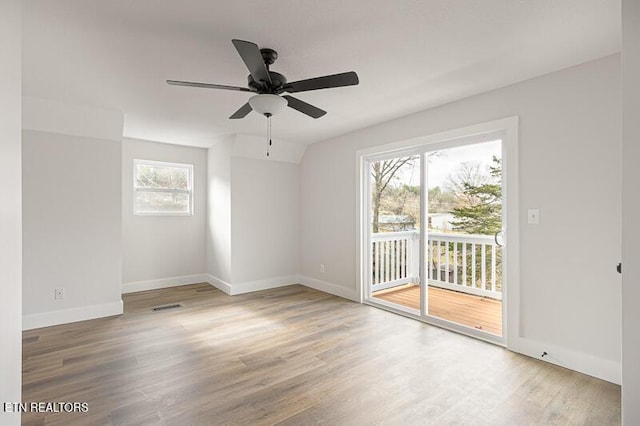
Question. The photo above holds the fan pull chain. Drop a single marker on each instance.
(268, 134)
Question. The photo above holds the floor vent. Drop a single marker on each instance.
(165, 307)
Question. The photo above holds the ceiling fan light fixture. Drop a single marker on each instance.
(267, 104)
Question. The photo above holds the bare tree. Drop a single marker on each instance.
(468, 174)
(383, 172)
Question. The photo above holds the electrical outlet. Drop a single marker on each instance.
(59, 293)
(322, 267)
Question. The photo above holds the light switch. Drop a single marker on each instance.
(533, 216)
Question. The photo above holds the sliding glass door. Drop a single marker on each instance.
(434, 235)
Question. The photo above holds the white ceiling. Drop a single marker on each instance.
(410, 55)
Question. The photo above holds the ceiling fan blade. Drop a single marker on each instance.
(207, 85)
(242, 112)
(328, 81)
(250, 54)
(304, 107)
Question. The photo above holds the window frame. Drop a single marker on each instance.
(136, 189)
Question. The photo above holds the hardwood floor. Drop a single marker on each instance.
(466, 309)
(292, 356)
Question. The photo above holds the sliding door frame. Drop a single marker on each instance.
(505, 129)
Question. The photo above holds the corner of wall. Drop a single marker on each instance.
(331, 288)
(10, 213)
(218, 223)
(221, 285)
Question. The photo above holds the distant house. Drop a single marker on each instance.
(395, 222)
(441, 221)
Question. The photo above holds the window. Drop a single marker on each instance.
(162, 188)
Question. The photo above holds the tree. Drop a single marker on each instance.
(441, 201)
(480, 196)
(479, 211)
(383, 173)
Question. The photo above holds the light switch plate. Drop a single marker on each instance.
(533, 216)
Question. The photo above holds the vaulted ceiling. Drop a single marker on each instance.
(410, 55)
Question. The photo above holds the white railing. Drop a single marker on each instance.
(396, 257)
(467, 263)
(460, 262)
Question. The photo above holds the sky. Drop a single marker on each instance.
(449, 160)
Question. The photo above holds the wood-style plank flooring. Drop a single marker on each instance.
(292, 356)
(466, 309)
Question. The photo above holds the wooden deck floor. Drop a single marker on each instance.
(474, 311)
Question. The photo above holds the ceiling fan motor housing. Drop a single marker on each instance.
(277, 83)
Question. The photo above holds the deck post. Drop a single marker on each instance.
(414, 260)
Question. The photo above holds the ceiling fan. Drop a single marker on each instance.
(268, 85)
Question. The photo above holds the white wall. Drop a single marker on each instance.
(569, 156)
(219, 212)
(161, 251)
(72, 218)
(252, 241)
(10, 209)
(630, 212)
(264, 225)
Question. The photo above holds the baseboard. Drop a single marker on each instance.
(134, 286)
(601, 368)
(327, 287)
(251, 286)
(64, 316)
(221, 285)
